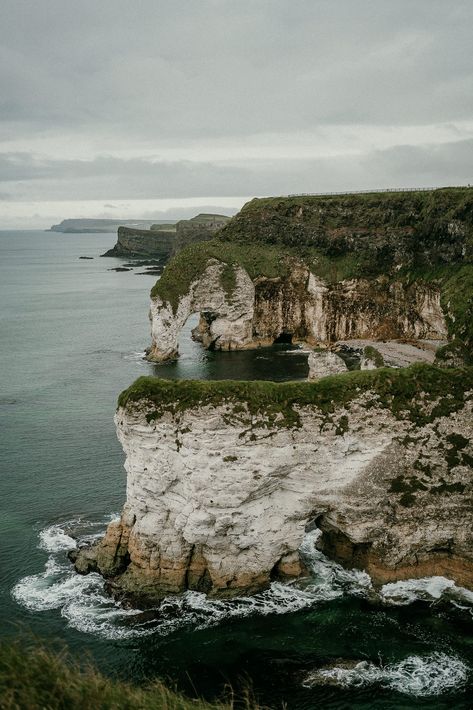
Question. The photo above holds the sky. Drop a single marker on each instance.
(164, 108)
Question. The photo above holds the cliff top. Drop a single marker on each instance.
(208, 217)
(431, 225)
(399, 390)
(410, 236)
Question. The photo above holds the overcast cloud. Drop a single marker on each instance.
(117, 102)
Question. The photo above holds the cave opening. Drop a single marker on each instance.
(284, 338)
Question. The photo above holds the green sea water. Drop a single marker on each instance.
(72, 337)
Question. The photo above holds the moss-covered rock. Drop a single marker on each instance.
(397, 390)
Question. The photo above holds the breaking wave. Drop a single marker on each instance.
(83, 602)
(425, 589)
(420, 676)
(80, 598)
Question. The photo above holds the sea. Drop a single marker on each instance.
(73, 336)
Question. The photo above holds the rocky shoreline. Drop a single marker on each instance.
(225, 478)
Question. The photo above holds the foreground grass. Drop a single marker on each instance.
(37, 678)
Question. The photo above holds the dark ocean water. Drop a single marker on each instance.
(72, 337)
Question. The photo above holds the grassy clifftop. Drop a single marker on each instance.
(397, 390)
(411, 236)
(428, 227)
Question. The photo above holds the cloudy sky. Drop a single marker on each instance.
(149, 108)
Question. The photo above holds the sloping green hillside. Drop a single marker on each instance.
(413, 236)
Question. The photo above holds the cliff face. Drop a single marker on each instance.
(143, 242)
(223, 479)
(165, 240)
(200, 228)
(387, 265)
(241, 312)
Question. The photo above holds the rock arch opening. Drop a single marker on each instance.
(284, 338)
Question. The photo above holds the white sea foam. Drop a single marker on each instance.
(428, 589)
(88, 608)
(52, 588)
(197, 610)
(419, 676)
(331, 580)
(54, 539)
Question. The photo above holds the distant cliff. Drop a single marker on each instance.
(143, 242)
(98, 225)
(198, 229)
(165, 240)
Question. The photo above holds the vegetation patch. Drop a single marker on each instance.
(407, 393)
(373, 354)
(228, 280)
(35, 678)
(189, 264)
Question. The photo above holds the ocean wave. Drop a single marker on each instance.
(86, 606)
(419, 676)
(429, 589)
(331, 580)
(54, 539)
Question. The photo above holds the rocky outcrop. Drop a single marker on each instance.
(143, 242)
(238, 311)
(226, 323)
(166, 240)
(224, 478)
(381, 266)
(323, 363)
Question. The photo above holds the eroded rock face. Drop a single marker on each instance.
(226, 323)
(300, 307)
(143, 242)
(219, 498)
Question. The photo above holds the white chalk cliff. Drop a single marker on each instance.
(219, 494)
(300, 307)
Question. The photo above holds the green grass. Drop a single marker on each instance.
(403, 208)
(190, 263)
(35, 679)
(277, 404)
(373, 354)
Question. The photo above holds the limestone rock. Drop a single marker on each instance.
(298, 307)
(323, 363)
(219, 495)
(226, 322)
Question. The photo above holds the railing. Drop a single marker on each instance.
(367, 192)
